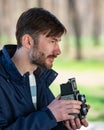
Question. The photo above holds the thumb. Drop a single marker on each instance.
(58, 97)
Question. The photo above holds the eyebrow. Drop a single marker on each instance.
(56, 39)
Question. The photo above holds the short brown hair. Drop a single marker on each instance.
(37, 21)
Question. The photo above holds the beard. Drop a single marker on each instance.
(39, 58)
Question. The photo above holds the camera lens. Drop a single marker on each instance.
(84, 109)
(82, 98)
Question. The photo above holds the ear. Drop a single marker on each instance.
(27, 41)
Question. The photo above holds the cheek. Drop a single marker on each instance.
(46, 50)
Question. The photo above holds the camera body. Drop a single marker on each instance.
(69, 92)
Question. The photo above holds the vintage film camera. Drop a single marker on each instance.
(69, 92)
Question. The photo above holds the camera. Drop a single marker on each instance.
(69, 92)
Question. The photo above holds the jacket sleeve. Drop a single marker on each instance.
(41, 120)
(60, 126)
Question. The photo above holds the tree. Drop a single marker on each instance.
(76, 27)
(97, 6)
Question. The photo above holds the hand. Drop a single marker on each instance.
(64, 109)
(76, 123)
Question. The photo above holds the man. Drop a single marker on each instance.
(26, 102)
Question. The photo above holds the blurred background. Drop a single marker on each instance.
(82, 47)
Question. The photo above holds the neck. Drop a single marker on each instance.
(21, 61)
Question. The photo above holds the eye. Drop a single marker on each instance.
(52, 41)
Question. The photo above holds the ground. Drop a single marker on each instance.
(86, 78)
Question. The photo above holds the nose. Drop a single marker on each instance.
(57, 49)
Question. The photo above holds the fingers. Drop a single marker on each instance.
(70, 106)
(71, 102)
(67, 116)
(76, 123)
(88, 106)
(84, 122)
(67, 124)
(73, 124)
(64, 109)
(71, 111)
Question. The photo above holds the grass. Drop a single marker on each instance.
(95, 99)
(93, 65)
(94, 95)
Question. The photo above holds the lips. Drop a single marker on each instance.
(51, 58)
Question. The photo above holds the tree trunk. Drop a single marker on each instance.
(76, 27)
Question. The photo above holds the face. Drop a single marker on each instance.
(46, 51)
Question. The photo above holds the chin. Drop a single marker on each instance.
(46, 66)
(49, 66)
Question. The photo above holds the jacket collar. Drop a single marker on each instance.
(9, 67)
(6, 54)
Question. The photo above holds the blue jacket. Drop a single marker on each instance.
(17, 111)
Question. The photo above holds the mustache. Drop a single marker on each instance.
(52, 56)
